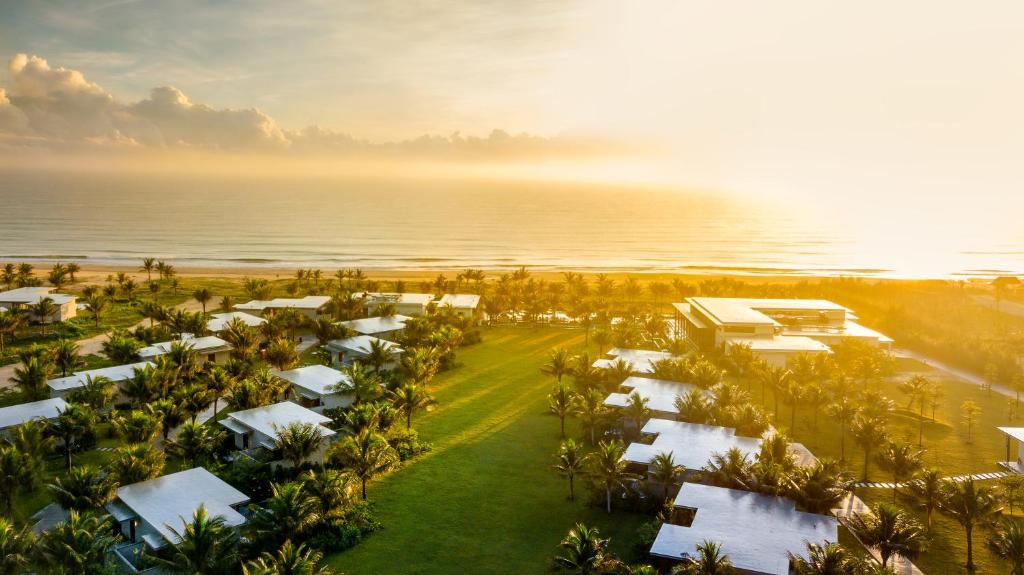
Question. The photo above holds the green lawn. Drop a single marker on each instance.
(485, 498)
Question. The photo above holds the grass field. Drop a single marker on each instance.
(485, 499)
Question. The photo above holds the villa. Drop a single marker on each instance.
(640, 360)
(258, 429)
(357, 348)
(774, 329)
(315, 387)
(1013, 434)
(209, 348)
(311, 306)
(464, 304)
(692, 445)
(660, 394)
(63, 386)
(151, 515)
(384, 327)
(15, 415)
(758, 532)
(405, 303)
(219, 321)
(23, 298)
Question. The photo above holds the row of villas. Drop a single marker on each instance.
(23, 299)
(409, 304)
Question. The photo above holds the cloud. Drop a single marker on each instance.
(60, 108)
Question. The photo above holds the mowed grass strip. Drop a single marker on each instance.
(485, 500)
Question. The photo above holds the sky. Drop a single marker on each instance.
(913, 104)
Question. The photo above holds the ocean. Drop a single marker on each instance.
(444, 225)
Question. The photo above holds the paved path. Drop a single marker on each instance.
(1005, 306)
(956, 372)
(853, 505)
(976, 476)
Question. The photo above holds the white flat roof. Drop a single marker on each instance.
(167, 502)
(219, 321)
(270, 419)
(691, 444)
(200, 344)
(459, 300)
(308, 302)
(316, 378)
(115, 373)
(375, 325)
(730, 310)
(1014, 432)
(32, 295)
(398, 298)
(757, 532)
(361, 344)
(661, 394)
(641, 360)
(794, 343)
(17, 414)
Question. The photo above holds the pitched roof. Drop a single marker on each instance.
(32, 295)
(271, 419)
(692, 445)
(378, 324)
(219, 321)
(17, 414)
(361, 344)
(316, 378)
(115, 373)
(661, 394)
(307, 302)
(459, 300)
(205, 344)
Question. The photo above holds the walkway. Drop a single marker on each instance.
(854, 505)
(975, 476)
(956, 372)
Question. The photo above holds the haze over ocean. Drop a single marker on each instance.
(407, 224)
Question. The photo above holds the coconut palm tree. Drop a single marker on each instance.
(367, 454)
(917, 389)
(868, 433)
(83, 488)
(562, 403)
(135, 463)
(170, 414)
(608, 469)
(695, 407)
(281, 353)
(709, 561)
(289, 559)
(926, 489)
(34, 442)
(15, 475)
(43, 310)
(636, 411)
(79, 544)
(969, 504)
(218, 381)
(559, 363)
(290, 513)
(822, 486)
(203, 296)
(297, 442)
(379, 355)
(332, 489)
(121, 347)
(583, 551)
(96, 392)
(31, 376)
(591, 411)
(902, 460)
(16, 547)
(665, 472)
(72, 427)
(970, 411)
(732, 469)
(207, 547)
(96, 304)
(136, 426)
(843, 411)
(776, 378)
(827, 559)
(10, 323)
(193, 398)
(890, 530)
(410, 398)
(363, 384)
(148, 265)
(65, 354)
(195, 443)
(142, 386)
(1007, 542)
(571, 461)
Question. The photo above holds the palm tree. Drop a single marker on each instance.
(141, 387)
(195, 443)
(709, 561)
(971, 411)
(969, 504)
(83, 488)
(65, 354)
(170, 413)
(591, 410)
(148, 265)
(732, 469)
(288, 560)
(827, 559)
(560, 362)
(16, 546)
(822, 486)
(363, 384)
(608, 468)
(10, 323)
(917, 389)
(868, 433)
(72, 426)
(290, 513)
(562, 403)
(207, 547)
(203, 296)
(776, 378)
(31, 376)
(281, 353)
(331, 489)
(890, 530)
(410, 398)
(902, 460)
(96, 304)
(136, 426)
(96, 392)
(135, 463)
(926, 488)
(298, 442)
(571, 461)
(43, 310)
(72, 269)
(1007, 542)
(193, 398)
(218, 381)
(14, 475)
(583, 551)
(695, 407)
(121, 347)
(367, 454)
(843, 411)
(34, 442)
(380, 354)
(79, 544)
(665, 471)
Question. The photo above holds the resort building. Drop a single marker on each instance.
(311, 306)
(62, 386)
(1013, 434)
(151, 515)
(775, 329)
(384, 327)
(209, 348)
(640, 360)
(692, 445)
(357, 348)
(15, 415)
(257, 430)
(405, 303)
(464, 304)
(660, 394)
(25, 297)
(219, 321)
(758, 532)
(315, 387)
